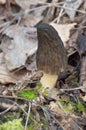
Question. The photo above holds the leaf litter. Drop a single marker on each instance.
(18, 47)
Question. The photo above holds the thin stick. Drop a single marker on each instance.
(60, 14)
(24, 13)
(11, 97)
(72, 89)
(7, 109)
(29, 109)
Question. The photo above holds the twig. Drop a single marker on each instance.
(47, 5)
(7, 109)
(11, 97)
(29, 109)
(77, 10)
(55, 20)
(21, 108)
(49, 114)
(60, 14)
(52, 5)
(72, 89)
(74, 122)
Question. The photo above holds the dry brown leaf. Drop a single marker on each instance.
(5, 75)
(84, 98)
(18, 44)
(11, 77)
(2, 1)
(55, 108)
(63, 30)
(85, 5)
(24, 4)
(32, 19)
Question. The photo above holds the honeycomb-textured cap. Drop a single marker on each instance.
(51, 54)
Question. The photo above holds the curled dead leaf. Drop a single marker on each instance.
(18, 44)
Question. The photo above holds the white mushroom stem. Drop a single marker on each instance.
(49, 81)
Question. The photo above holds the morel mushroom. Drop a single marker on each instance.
(51, 54)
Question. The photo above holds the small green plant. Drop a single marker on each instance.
(81, 107)
(12, 125)
(69, 105)
(28, 94)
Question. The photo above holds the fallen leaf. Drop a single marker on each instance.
(18, 44)
(71, 7)
(33, 18)
(10, 77)
(71, 43)
(84, 5)
(63, 30)
(2, 1)
(24, 4)
(5, 75)
(54, 106)
(84, 98)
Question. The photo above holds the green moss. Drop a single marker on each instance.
(10, 116)
(74, 81)
(38, 86)
(29, 94)
(12, 125)
(34, 126)
(81, 107)
(41, 88)
(46, 92)
(69, 105)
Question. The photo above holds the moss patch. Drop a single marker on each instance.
(28, 94)
(12, 125)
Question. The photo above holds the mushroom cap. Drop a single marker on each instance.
(51, 54)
